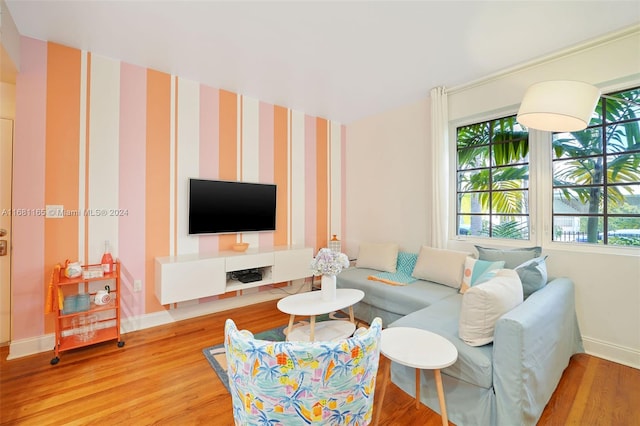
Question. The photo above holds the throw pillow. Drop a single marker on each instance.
(511, 257)
(533, 274)
(406, 262)
(484, 304)
(441, 266)
(478, 271)
(379, 256)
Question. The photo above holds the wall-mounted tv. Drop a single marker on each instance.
(224, 207)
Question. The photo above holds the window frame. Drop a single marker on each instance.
(532, 197)
(604, 215)
(540, 184)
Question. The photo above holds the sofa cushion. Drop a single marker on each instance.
(533, 274)
(511, 257)
(379, 256)
(484, 304)
(441, 266)
(474, 364)
(404, 268)
(478, 271)
(400, 300)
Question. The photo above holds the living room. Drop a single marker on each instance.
(100, 132)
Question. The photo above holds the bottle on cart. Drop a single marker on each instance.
(107, 259)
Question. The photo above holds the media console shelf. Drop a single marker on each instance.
(192, 276)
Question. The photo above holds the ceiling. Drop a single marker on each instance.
(338, 60)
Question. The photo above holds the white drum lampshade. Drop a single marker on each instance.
(558, 106)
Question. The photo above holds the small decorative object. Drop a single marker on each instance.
(103, 297)
(329, 263)
(84, 327)
(73, 270)
(93, 272)
(328, 287)
(334, 244)
(240, 246)
(70, 304)
(107, 259)
(82, 302)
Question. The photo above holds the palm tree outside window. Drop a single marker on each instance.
(493, 179)
(596, 176)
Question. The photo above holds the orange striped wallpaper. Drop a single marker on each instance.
(158, 179)
(322, 198)
(246, 137)
(86, 155)
(61, 157)
(228, 157)
(281, 165)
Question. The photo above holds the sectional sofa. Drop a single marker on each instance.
(515, 330)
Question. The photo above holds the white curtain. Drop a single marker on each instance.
(439, 167)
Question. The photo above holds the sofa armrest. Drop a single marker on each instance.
(532, 346)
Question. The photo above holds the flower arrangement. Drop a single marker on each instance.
(329, 262)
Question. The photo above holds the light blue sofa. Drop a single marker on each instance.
(507, 382)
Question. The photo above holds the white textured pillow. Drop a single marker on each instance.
(484, 304)
(380, 256)
(441, 266)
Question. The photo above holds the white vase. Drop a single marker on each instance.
(328, 287)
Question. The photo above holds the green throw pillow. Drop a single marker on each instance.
(533, 274)
(512, 257)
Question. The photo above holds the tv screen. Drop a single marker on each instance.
(225, 207)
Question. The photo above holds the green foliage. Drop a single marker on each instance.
(616, 129)
(511, 229)
(625, 241)
(494, 156)
(496, 153)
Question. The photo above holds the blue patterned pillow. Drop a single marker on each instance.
(404, 267)
(406, 262)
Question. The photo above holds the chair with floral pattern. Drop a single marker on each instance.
(295, 383)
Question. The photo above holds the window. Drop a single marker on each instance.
(493, 179)
(596, 176)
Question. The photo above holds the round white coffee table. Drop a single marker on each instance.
(422, 350)
(311, 304)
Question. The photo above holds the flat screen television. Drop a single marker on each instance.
(217, 207)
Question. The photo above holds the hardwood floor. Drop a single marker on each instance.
(161, 377)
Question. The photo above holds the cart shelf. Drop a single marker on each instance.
(92, 323)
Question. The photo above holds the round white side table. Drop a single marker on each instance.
(422, 350)
(311, 304)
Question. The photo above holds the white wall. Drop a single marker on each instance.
(386, 174)
(607, 279)
(607, 301)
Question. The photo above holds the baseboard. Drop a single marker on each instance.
(30, 346)
(612, 352)
(192, 309)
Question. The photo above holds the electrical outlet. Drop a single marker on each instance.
(137, 285)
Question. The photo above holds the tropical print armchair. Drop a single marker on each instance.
(297, 383)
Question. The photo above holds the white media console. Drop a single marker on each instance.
(192, 276)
